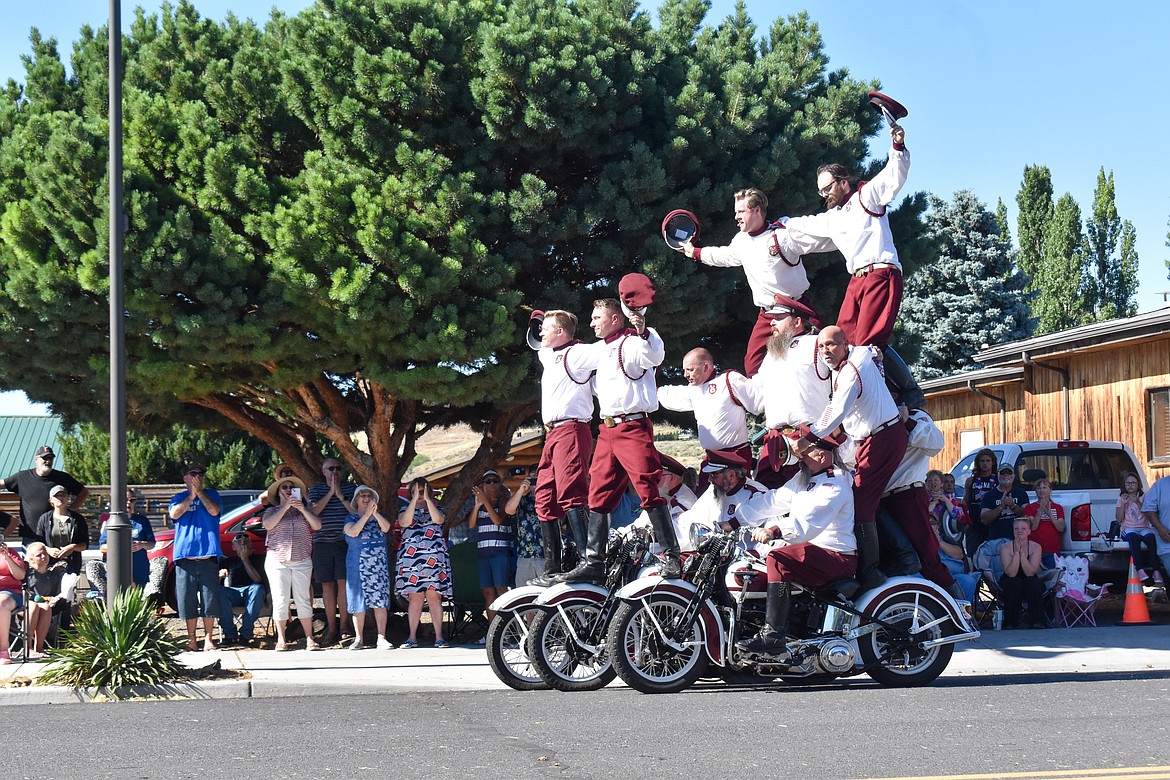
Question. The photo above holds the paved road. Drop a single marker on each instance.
(1054, 724)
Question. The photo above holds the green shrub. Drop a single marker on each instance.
(112, 648)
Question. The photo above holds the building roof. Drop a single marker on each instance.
(1097, 335)
(20, 435)
(996, 375)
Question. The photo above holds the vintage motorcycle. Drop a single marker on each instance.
(566, 641)
(666, 632)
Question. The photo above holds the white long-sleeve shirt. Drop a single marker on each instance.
(815, 509)
(625, 364)
(861, 401)
(718, 405)
(711, 510)
(566, 385)
(792, 391)
(925, 441)
(771, 261)
(859, 227)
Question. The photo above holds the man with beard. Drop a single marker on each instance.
(863, 406)
(717, 401)
(730, 488)
(791, 387)
(812, 518)
(771, 259)
(856, 222)
(625, 359)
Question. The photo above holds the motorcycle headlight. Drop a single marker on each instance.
(698, 533)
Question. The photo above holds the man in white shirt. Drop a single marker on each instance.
(811, 518)
(566, 406)
(771, 259)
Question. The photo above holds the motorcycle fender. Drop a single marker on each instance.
(872, 600)
(516, 598)
(710, 621)
(576, 591)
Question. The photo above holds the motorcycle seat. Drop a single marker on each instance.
(846, 588)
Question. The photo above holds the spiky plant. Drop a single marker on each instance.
(113, 648)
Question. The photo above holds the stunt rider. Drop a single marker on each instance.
(812, 518)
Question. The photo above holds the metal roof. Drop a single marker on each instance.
(20, 435)
(967, 379)
(1097, 334)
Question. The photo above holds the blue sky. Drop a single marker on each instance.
(991, 86)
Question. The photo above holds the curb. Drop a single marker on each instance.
(63, 694)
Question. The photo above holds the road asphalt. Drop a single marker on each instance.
(1109, 648)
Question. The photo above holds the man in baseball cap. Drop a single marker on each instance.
(33, 485)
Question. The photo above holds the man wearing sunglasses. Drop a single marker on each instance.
(195, 513)
(856, 221)
(331, 500)
(33, 486)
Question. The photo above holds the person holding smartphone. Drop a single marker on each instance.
(289, 562)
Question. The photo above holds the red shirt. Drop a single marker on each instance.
(7, 581)
(1045, 534)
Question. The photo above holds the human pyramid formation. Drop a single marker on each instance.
(835, 401)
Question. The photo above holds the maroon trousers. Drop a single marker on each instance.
(809, 565)
(625, 453)
(911, 510)
(562, 479)
(878, 457)
(871, 307)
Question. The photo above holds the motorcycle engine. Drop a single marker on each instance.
(836, 656)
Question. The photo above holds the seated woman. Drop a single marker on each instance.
(289, 562)
(1047, 521)
(1135, 528)
(1020, 582)
(424, 567)
(367, 566)
(45, 582)
(12, 572)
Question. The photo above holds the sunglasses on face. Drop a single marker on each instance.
(491, 481)
(824, 191)
(196, 473)
(333, 468)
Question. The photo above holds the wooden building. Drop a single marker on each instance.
(1106, 381)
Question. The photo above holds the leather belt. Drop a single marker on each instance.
(863, 272)
(886, 424)
(550, 425)
(904, 488)
(617, 419)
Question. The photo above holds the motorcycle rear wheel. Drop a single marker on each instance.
(908, 666)
(507, 652)
(643, 660)
(562, 663)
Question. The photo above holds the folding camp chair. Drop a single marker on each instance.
(466, 607)
(1076, 599)
(18, 639)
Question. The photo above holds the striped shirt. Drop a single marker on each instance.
(333, 516)
(291, 540)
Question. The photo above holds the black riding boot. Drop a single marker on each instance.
(771, 641)
(592, 567)
(897, 553)
(664, 532)
(550, 538)
(900, 381)
(868, 556)
(577, 519)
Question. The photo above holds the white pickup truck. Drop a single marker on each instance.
(1086, 480)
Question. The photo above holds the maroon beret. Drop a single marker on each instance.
(672, 465)
(878, 101)
(636, 291)
(829, 441)
(782, 304)
(720, 460)
(537, 315)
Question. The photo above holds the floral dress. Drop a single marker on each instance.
(423, 562)
(367, 568)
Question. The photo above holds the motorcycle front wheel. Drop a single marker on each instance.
(906, 665)
(507, 651)
(641, 656)
(559, 660)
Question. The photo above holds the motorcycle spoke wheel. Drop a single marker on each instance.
(558, 659)
(507, 649)
(906, 664)
(643, 659)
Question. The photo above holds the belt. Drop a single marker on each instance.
(886, 424)
(904, 488)
(617, 419)
(863, 272)
(562, 421)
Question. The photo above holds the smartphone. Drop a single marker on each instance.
(296, 494)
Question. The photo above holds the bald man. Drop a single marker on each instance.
(862, 405)
(717, 401)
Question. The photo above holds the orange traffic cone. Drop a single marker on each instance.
(1137, 612)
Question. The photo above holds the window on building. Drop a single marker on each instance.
(1160, 424)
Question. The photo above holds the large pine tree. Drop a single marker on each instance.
(970, 296)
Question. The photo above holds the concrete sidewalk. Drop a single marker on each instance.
(1102, 650)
